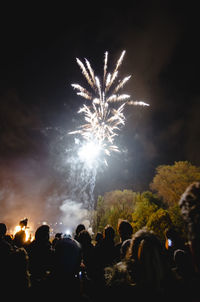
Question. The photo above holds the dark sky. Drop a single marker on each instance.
(38, 51)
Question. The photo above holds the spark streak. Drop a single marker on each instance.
(103, 120)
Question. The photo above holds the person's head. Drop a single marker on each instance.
(58, 235)
(84, 238)
(99, 237)
(125, 247)
(109, 233)
(183, 263)
(147, 253)
(125, 230)
(67, 258)
(80, 227)
(3, 229)
(42, 233)
(190, 209)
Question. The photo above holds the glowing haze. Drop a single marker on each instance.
(104, 112)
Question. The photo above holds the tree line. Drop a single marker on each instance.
(157, 209)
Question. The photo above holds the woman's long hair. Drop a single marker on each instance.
(147, 263)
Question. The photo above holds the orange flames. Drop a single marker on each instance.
(27, 232)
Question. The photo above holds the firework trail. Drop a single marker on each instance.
(102, 115)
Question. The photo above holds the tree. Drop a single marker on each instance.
(120, 199)
(170, 182)
(159, 222)
(144, 208)
(99, 217)
(113, 206)
(115, 215)
(178, 221)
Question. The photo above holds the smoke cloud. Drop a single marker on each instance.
(73, 213)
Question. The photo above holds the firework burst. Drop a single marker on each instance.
(104, 112)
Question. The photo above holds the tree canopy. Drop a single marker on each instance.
(112, 207)
(156, 211)
(144, 208)
(171, 181)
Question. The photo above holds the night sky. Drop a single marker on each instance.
(38, 51)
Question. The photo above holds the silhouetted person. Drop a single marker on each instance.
(87, 251)
(124, 248)
(107, 247)
(88, 271)
(67, 266)
(125, 231)
(173, 242)
(5, 252)
(98, 263)
(144, 274)
(41, 257)
(183, 266)
(67, 258)
(190, 209)
(58, 236)
(98, 238)
(19, 279)
(80, 227)
(5, 246)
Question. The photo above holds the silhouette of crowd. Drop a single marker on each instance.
(97, 268)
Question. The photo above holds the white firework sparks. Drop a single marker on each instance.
(103, 120)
